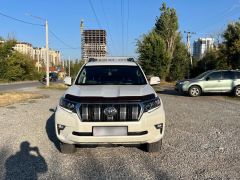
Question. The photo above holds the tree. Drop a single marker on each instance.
(231, 45)
(15, 66)
(20, 67)
(152, 54)
(167, 27)
(161, 52)
(213, 59)
(180, 62)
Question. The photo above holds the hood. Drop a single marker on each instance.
(110, 90)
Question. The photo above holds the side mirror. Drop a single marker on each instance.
(154, 81)
(207, 78)
(68, 81)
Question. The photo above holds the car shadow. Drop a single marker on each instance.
(26, 163)
(50, 130)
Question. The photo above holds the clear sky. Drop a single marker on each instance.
(205, 17)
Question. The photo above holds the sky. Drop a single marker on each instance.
(124, 20)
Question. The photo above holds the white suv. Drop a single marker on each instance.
(110, 102)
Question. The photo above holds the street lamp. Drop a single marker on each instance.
(47, 48)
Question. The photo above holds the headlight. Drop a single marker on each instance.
(67, 104)
(183, 82)
(152, 104)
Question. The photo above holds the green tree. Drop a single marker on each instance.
(74, 67)
(5, 51)
(180, 62)
(20, 67)
(231, 45)
(152, 54)
(213, 59)
(167, 27)
(161, 52)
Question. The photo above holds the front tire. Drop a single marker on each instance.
(67, 148)
(237, 91)
(154, 147)
(194, 91)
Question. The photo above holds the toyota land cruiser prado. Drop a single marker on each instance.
(110, 102)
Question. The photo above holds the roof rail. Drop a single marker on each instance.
(129, 59)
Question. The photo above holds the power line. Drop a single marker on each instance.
(122, 17)
(127, 20)
(107, 22)
(60, 40)
(19, 20)
(94, 12)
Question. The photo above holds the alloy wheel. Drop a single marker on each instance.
(237, 91)
(195, 91)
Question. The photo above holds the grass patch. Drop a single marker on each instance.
(167, 84)
(58, 86)
(164, 84)
(3, 81)
(7, 98)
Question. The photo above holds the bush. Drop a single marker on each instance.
(19, 67)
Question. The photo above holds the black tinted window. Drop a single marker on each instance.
(111, 75)
(215, 76)
(228, 75)
(237, 75)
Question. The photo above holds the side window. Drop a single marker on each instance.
(82, 78)
(237, 75)
(215, 76)
(228, 75)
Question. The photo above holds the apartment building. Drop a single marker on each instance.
(201, 46)
(93, 44)
(38, 54)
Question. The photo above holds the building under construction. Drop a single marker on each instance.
(93, 43)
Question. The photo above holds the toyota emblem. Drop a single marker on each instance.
(110, 111)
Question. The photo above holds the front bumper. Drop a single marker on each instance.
(181, 88)
(139, 132)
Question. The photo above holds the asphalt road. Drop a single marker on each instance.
(22, 85)
(201, 142)
(10, 87)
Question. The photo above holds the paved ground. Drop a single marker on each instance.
(201, 142)
(21, 85)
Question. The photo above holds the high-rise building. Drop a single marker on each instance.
(94, 44)
(201, 46)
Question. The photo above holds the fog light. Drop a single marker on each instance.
(60, 127)
(160, 127)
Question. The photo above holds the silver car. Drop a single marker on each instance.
(215, 81)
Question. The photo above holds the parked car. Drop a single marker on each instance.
(110, 102)
(52, 77)
(217, 81)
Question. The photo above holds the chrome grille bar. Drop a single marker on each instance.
(95, 112)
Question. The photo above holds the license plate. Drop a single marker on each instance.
(109, 131)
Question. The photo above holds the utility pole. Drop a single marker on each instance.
(47, 49)
(189, 49)
(47, 55)
(189, 44)
(69, 66)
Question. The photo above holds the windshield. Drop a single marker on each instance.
(201, 75)
(111, 75)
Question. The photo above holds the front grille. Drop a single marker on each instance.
(95, 112)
